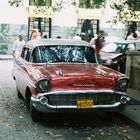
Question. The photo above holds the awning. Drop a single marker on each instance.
(89, 13)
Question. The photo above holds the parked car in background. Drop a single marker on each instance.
(62, 75)
(113, 54)
(113, 38)
(135, 44)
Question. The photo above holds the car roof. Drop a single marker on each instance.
(115, 39)
(134, 41)
(39, 42)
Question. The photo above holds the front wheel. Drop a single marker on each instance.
(35, 115)
(121, 67)
(19, 94)
(108, 115)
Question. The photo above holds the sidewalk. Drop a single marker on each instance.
(6, 57)
(135, 94)
(132, 111)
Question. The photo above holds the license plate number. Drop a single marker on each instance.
(84, 104)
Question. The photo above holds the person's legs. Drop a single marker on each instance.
(99, 59)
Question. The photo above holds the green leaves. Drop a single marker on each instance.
(92, 3)
(127, 10)
(15, 2)
(42, 2)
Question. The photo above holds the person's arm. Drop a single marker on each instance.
(14, 48)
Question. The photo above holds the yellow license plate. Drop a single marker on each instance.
(84, 104)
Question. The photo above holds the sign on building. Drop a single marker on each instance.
(40, 11)
(89, 13)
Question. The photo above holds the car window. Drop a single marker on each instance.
(62, 53)
(25, 53)
(36, 55)
(114, 47)
(137, 46)
(131, 47)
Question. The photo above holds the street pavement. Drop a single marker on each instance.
(132, 112)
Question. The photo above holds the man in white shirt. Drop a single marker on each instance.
(18, 45)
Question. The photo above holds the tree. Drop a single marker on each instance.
(57, 6)
(36, 2)
(126, 10)
(92, 3)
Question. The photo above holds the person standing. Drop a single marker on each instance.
(99, 42)
(137, 34)
(130, 36)
(35, 34)
(18, 45)
(92, 41)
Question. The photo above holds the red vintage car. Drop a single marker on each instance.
(58, 75)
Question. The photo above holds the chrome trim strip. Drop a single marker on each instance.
(79, 91)
(73, 107)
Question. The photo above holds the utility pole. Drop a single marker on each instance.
(29, 22)
(50, 22)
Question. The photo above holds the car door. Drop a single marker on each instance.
(22, 70)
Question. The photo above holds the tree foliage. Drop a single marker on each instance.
(126, 10)
(15, 2)
(58, 3)
(92, 3)
(42, 2)
(82, 3)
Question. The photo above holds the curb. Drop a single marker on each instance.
(131, 114)
(6, 57)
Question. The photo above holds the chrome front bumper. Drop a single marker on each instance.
(41, 102)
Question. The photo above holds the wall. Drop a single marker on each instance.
(13, 20)
(133, 69)
(64, 24)
(8, 34)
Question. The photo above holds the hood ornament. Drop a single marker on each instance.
(60, 73)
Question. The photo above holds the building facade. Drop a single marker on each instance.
(65, 23)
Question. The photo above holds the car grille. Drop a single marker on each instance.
(71, 99)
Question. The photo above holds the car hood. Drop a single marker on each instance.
(78, 76)
(109, 56)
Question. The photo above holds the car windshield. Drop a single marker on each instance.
(63, 53)
(114, 48)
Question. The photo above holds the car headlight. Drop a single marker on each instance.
(43, 85)
(109, 61)
(114, 62)
(122, 84)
